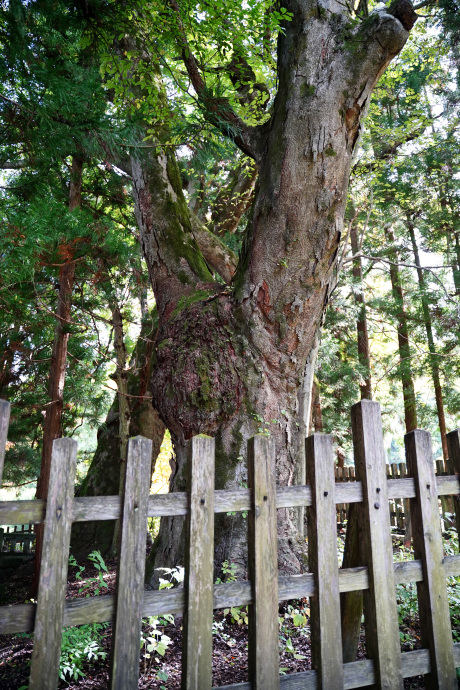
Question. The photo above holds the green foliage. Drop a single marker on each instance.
(92, 584)
(154, 641)
(80, 646)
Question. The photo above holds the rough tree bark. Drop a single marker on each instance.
(53, 414)
(230, 360)
(234, 199)
(104, 475)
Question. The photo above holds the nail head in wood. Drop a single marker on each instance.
(203, 501)
(377, 505)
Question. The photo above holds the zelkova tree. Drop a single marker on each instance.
(231, 359)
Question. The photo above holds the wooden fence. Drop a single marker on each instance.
(399, 507)
(386, 666)
(17, 541)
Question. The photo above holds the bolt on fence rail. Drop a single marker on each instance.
(385, 668)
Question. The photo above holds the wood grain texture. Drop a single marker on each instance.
(44, 668)
(380, 613)
(131, 566)
(326, 639)
(263, 644)
(427, 539)
(5, 408)
(199, 564)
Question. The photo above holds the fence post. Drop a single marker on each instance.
(131, 566)
(263, 642)
(326, 639)
(453, 448)
(5, 408)
(380, 614)
(44, 670)
(199, 564)
(432, 590)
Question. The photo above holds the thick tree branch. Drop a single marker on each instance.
(217, 110)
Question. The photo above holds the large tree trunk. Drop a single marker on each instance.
(231, 361)
(434, 363)
(53, 414)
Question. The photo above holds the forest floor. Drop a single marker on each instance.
(158, 670)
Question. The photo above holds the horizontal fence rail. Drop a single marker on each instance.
(21, 617)
(98, 508)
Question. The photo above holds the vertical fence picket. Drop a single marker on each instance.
(197, 635)
(4, 422)
(381, 621)
(263, 644)
(432, 590)
(453, 448)
(322, 556)
(44, 669)
(131, 566)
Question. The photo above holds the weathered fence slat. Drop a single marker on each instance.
(4, 422)
(44, 670)
(380, 613)
(427, 539)
(131, 566)
(263, 644)
(322, 556)
(199, 563)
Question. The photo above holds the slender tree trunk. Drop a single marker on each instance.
(53, 415)
(124, 414)
(361, 324)
(456, 269)
(405, 368)
(434, 365)
(352, 602)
